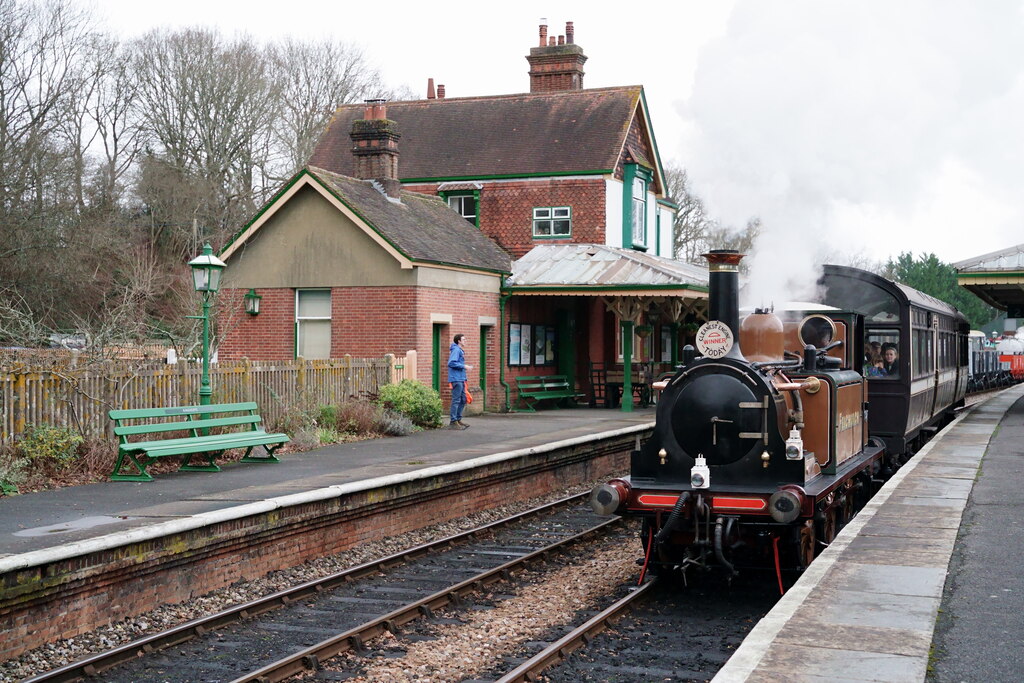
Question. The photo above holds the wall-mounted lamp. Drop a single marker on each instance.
(252, 302)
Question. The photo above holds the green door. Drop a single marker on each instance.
(484, 329)
(437, 361)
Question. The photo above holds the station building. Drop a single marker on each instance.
(535, 223)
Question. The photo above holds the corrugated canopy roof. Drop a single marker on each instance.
(996, 278)
(1011, 259)
(602, 268)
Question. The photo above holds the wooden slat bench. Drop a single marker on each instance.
(197, 420)
(532, 390)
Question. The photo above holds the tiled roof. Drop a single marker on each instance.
(598, 265)
(1011, 259)
(422, 227)
(505, 135)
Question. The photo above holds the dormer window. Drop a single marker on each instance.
(552, 221)
(464, 205)
(639, 211)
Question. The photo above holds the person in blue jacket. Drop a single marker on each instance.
(457, 378)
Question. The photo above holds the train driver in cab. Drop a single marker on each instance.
(889, 361)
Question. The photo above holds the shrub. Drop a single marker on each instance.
(297, 417)
(357, 417)
(304, 440)
(394, 424)
(418, 402)
(52, 448)
(12, 471)
(326, 435)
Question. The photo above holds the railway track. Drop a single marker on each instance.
(657, 632)
(287, 632)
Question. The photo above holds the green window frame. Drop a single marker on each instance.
(552, 222)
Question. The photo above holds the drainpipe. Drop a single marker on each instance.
(502, 351)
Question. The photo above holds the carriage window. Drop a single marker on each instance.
(881, 354)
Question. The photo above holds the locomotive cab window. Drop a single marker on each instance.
(881, 354)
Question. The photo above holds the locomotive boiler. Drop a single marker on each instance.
(760, 449)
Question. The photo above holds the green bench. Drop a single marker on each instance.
(241, 420)
(532, 390)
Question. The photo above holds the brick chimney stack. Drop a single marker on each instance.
(375, 147)
(556, 64)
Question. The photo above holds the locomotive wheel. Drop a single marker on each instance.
(826, 523)
(806, 549)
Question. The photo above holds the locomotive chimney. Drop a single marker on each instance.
(724, 292)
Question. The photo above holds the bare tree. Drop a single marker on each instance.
(691, 225)
(209, 105)
(316, 78)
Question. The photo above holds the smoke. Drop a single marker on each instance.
(872, 128)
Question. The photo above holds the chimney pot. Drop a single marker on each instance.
(543, 32)
(430, 89)
(440, 92)
(561, 40)
(551, 41)
(569, 32)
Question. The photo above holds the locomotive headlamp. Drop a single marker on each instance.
(784, 505)
(700, 475)
(794, 445)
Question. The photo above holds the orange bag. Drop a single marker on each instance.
(469, 396)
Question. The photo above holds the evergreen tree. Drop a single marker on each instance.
(931, 276)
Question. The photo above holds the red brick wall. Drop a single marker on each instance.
(506, 210)
(370, 322)
(267, 336)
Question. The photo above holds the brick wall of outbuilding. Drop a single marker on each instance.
(369, 322)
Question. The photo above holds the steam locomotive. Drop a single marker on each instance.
(762, 447)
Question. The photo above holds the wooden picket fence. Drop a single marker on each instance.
(78, 394)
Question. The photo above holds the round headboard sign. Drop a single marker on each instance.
(714, 339)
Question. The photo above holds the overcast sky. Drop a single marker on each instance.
(875, 126)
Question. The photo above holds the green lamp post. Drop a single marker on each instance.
(206, 269)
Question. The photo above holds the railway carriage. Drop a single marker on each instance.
(931, 338)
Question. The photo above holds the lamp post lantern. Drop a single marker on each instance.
(206, 270)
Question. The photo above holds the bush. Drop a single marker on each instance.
(418, 402)
(356, 417)
(51, 448)
(394, 424)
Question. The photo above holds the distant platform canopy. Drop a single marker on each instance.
(996, 278)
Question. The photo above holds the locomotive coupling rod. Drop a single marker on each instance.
(811, 385)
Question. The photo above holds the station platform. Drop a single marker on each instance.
(924, 583)
(62, 521)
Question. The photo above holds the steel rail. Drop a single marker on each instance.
(559, 650)
(311, 658)
(92, 665)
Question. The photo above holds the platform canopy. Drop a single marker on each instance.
(996, 278)
(629, 282)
